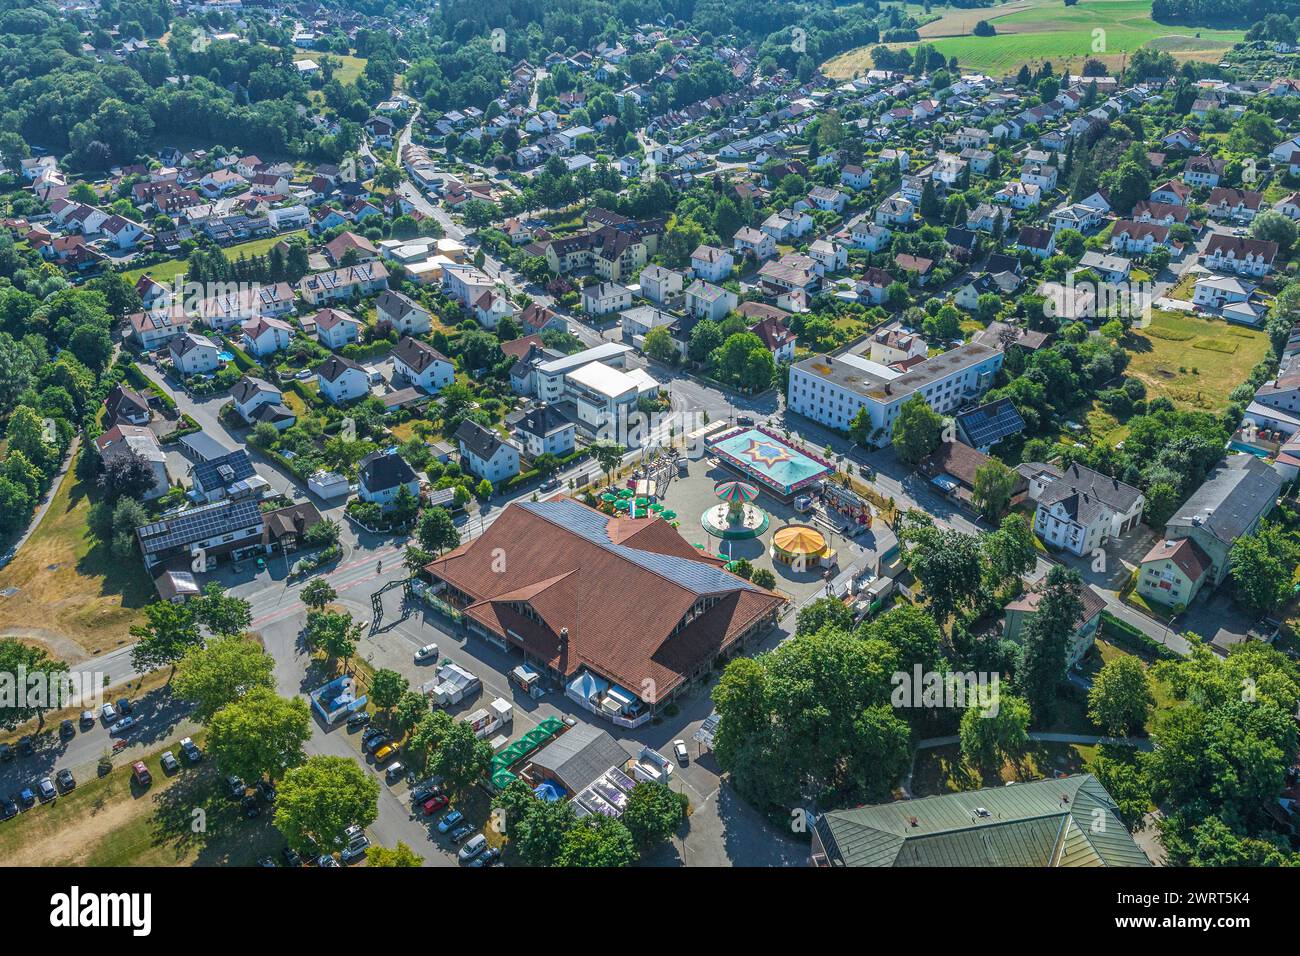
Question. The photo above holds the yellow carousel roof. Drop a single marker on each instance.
(799, 539)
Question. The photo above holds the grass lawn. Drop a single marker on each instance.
(1183, 288)
(185, 820)
(166, 271)
(349, 68)
(1031, 31)
(1193, 361)
(942, 770)
(69, 585)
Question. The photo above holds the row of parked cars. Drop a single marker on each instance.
(475, 851)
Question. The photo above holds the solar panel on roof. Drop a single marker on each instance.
(696, 576)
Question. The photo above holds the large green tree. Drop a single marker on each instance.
(217, 674)
(319, 800)
(917, 430)
(260, 735)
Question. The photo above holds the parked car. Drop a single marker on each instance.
(266, 790)
(355, 850)
(235, 786)
(476, 845)
(290, 856)
(26, 746)
(141, 773)
(426, 653)
(359, 719)
(424, 792)
(434, 804)
(395, 772)
(191, 750)
(487, 858)
(123, 726)
(450, 819)
(460, 832)
(326, 860)
(169, 762)
(376, 743)
(251, 807)
(26, 797)
(8, 808)
(123, 706)
(65, 780)
(87, 719)
(108, 713)
(67, 729)
(550, 484)
(266, 861)
(6, 753)
(46, 788)
(385, 753)
(679, 748)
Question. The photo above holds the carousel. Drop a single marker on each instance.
(802, 546)
(736, 517)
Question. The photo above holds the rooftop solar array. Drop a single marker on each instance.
(992, 422)
(199, 524)
(696, 576)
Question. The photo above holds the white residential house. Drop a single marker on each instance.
(335, 329)
(787, 224)
(1240, 254)
(865, 234)
(895, 212)
(855, 177)
(1137, 238)
(342, 380)
(1078, 509)
(1214, 292)
(660, 284)
(251, 393)
(486, 454)
(266, 335)
(708, 301)
(422, 365)
(192, 353)
(382, 475)
(711, 263)
(124, 439)
(545, 431)
(830, 256)
(403, 313)
(605, 297)
(754, 242)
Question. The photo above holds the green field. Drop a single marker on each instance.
(168, 270)
(1032, 31)
(1194, 362)
(350, 67)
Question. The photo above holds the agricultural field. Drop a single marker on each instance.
(1194, 362)
(1033, 31)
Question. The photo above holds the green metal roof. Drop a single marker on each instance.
(1067, 821)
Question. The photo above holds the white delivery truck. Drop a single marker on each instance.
(452, 685)
(488, 720)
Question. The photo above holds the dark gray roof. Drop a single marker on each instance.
(385, 469)
(1111, 492)
(223, 472)
(124, 400)
(483, 442)
(248, 386)
(542, 420)
(580, 755)
(1231, 499)
(417, 355)
(336, 365)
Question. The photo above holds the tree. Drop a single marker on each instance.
(317, 593)
(427, 736)
(461, 758)
(437, 531)
(387, 688)
(1046, 637)
(948, 563)
(606, 843)
(1009, 551)
(127, 473)
(1262, 565)
(994, 485)
(917, 430)
(990, 737)
(408, 711)
(653, 813)
(764, 578)
(400, 855)
(260, 734)
(659, 345)
(221, 614)
(318, 801)
(168, 632)
(15, 659)
(823, 612)
(1120, 699)
(608, 455)
(217, 674)
(1273, 226)
(539, 833)
(15, 506)
(335, 633)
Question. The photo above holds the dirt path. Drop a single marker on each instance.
(59, 645)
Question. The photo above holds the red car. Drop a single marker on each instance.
(434, 804)
(141, 773)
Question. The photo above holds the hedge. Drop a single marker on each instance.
(1122, 633)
